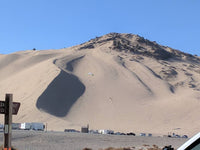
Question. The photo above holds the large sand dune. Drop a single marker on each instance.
(118, 81)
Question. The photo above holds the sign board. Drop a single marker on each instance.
(15, 107)
(2, 107)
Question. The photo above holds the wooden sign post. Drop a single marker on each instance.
(9, 108)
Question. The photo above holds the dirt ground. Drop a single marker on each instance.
(34, 140)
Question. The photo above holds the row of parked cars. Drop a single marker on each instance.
(192, 144)
(105, 131)
(133, 134)
(177, 136)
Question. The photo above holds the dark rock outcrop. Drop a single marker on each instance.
(138, 45)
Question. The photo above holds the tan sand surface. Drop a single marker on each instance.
(104, 87)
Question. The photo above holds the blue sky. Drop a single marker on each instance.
(54, 24)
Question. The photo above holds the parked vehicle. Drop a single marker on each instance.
(94, 132)
(142, 134)
(71, 130)
(185, 136)
(16, 126)
(131, 133)
(106, 131)
(37, 126)
(191, 144)
(117, 133)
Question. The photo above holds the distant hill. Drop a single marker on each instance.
(122, 82)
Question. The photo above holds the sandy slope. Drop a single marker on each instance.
(104, 88)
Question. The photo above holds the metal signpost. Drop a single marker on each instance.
(9, 108)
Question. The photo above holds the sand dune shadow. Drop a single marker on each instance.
(61, 94)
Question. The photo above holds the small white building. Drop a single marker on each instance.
(25, 126)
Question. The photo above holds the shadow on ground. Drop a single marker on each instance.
(61, 94)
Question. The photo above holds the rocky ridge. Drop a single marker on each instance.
(136, 44)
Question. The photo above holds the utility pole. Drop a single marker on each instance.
(8, 122)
